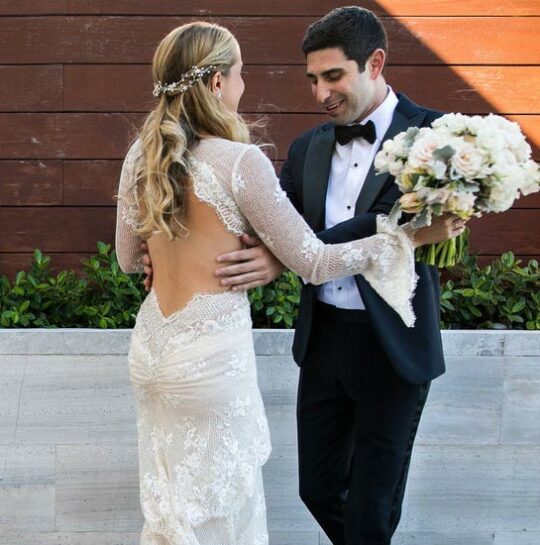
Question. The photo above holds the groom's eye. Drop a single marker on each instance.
(333, 75)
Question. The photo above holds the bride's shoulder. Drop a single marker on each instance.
(228, 150)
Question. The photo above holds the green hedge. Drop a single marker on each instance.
(502, 295)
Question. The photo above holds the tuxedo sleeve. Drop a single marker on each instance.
(363, 225)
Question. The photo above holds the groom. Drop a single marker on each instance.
(364, 376)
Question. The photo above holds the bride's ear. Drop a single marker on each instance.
(216, 83)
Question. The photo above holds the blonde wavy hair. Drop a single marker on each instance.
(179, 120)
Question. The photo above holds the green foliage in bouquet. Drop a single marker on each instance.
(502, 295)
(104, 297)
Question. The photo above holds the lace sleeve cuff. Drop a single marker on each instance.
(395, 281)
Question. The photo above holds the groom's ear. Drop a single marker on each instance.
(375, 63)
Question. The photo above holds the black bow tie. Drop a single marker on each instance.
(345, 133)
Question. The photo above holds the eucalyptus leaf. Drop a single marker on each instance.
(444, 154)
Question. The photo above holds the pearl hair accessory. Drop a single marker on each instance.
(186, 81)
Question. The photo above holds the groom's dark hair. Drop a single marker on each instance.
(357, 31)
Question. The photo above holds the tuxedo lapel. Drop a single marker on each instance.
(375, 182)
(316, 173)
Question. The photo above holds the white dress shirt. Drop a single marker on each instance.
(350, 165)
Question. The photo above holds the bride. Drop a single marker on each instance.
(190, 185)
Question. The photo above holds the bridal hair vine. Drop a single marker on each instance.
(186, 81)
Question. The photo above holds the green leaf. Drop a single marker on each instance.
(444, 154)
(515, 318)
(507, 259)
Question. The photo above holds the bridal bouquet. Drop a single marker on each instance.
(464, 165)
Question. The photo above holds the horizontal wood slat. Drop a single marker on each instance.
(515, 230)
(504, 89)
(106, 136)
(119, 88)
(30, 183)
(91, 183)
(62, 229)
(77, 229)
(414, 40)
(12, 263)
(258, 7)
(32, 7)
(62, 135)
(86, 183)
(31, 88)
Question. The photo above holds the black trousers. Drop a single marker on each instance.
(357, 420)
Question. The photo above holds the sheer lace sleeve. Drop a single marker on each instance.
(127, 217)
(386, 259)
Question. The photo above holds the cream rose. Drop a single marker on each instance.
(467, 162)
(421, 153)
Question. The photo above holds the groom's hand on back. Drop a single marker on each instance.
(253, 266)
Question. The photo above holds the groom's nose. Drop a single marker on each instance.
(322, 93)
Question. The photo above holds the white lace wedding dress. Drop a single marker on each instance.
(203, 434)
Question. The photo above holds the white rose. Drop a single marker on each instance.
(502, 197)
(387, 161)
(401, 148)
(455, 123)
(531, 178)
(520, 148)
(475, 123)
(381, 161)
(390, 147)
(503, 159)
(421, 153)
(461, 202)
(507, 172)
(500, 122)
(395, 167)
(490, 140)
(467, 162)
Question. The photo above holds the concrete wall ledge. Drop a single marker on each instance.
(267, 342)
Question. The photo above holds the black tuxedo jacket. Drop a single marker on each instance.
(416, 353)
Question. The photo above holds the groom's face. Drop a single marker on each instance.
(343, 92)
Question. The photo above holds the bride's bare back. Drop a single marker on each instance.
(186, 265)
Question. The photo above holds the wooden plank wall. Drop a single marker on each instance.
(75, 83)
